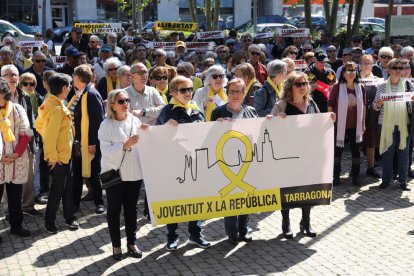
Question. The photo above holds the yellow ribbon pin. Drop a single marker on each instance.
(236, 180)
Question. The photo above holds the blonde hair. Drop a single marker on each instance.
(290, 82)
(110, 113)
(27, 76)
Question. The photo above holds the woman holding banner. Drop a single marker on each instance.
(296, 100)
(118, 141)
(394, 121)
(181, 110)
(236, 227)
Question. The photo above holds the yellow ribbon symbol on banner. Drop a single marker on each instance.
(236, 180)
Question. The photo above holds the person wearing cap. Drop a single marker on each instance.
(180, 51)
(140, 55)
(72, 60)
(75, 40)
(320, 78)
(93, 48)
(254, 59)
(105, 52)
(380, 69)
(356, 41)
(375, 46)
(112, 40)
(160, 60)
(334, 62)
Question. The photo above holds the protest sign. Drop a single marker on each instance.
(371, 82)
(300, 64)
(397, 97)
(99, 28)
(210, 35)
(216, 169)
(176, 26)
(31, 44)
(295, 32)
(58, 59)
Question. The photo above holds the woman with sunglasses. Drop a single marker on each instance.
(181, 110)
(119, 147)
(394, 121)
(291, 52)
(347, 100)
(28, 83)
(213, 93)
(296, 100)
(110, 81)
(159, 77)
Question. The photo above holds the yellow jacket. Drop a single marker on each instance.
(54, 124)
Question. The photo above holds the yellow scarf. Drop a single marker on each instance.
(163, 93)
(277, 88)
(5, 124)
(86, 156)
(109, 85)
(248, 87)
(176, 104)
(212, 105)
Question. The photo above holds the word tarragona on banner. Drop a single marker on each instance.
(220, 169)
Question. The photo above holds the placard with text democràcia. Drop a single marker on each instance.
(206, 170)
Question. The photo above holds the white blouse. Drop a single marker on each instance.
(112, 135)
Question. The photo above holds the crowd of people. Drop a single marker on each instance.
(82, 117)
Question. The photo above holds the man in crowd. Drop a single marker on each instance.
(334, 62)
(75, 40)
(111, 40)
(72, 61)
(37, 69)
(93, 48)
(105, 52)
(254, 59)
(375, 46)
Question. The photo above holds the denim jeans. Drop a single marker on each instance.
(194, 228)
(388, 156)
(236, 225)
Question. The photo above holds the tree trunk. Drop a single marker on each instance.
(308, 18)
(326, 8)
(348, 24)
(193, 10)
(134, 15)
(44, 18)
(208, 15)
(333, 16)
(388, 22)
(357, 18)
(216, 14)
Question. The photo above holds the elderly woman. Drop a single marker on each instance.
(28, 83)
(213, 93)
(296, 100)
(246, 72)
(16, 134)
(160, 78)
(182, 110)
(236, 227)
(347, 100)
(124, 76)
(119, 147)
(186, 69)
(110, 81)
(394, 121)
(290, 65)
(271, 91)
(371, 120)
(56, 128)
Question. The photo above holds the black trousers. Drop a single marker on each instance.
(61, 188)
(355, 152)
(305, 213)
(94, 180)
(194, 228)
(123, 195)
(14, 195)
(43, 170)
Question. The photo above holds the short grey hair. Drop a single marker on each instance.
(111, 61)
(386, 50)
(123, 70)
(210, 54)
(111, 34)
(276, 67)
(160, 51)
(9, 67)
(7, 49)
(187, 67)
(215, 70)
(254, 47)
(95, 37)
(406, 50)
(110, 113)
(171, 54)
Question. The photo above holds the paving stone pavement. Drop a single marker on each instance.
(365, 231)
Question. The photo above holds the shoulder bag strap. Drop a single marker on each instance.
(130, 132)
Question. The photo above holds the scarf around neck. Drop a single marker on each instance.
(5, 124)
(278, 88)
(109, 84)
(190, 105)
(212, 105)
(163, 93)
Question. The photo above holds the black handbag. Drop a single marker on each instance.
(112, 177)
(76, 149)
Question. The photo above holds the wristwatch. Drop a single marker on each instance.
(144, 111)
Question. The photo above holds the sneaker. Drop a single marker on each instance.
(405, 187)
(41, 199)
(51, 229)
(199, 241)
(73, 225)
(33, 213)
(172, 245)
(100, 209)
(20, 232)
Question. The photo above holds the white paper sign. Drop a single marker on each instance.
(210, 35)
(31, 44)
(397, 97)
(295, 32)
(371, 82)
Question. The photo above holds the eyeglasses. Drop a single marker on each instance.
(161, 78)
(222, 52)
(350, 71)
(113, 69)
(221, 76)
(400, 68)
(307, 50)
(385, 57)
(247, 40)
(123, 101)
(185, 90)
(40, 60)
(293, 53)
(141, 73)
(300, 84)
(25, 83)
(255, 53)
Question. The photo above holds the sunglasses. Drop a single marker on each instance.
(38, 35)
(113, 69)
(123, 101)
(40, 60)
(185, 90)
(397, 68)
(255, 53)
(293, 53)
(25, 83)
(141, 73)
(221, 76)
(247, 40)
(161, 78)
(350, 71)
(300, 84)
(385, 57)
(307, 50)
(93, 41)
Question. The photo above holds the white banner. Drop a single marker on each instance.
(31, 44)
(171, 45)
(210, 35)
(397, 97)
(99, 28)
(300, 64)
(371, 82)
(58, 59)
(295, 32)
(204, 170)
